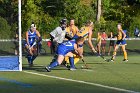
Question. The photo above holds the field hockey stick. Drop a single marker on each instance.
(87, 67)
(101, 56)
(32, 45)
(97, 54)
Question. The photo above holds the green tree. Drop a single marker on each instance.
(9, 11)
(121, 11)
(5, 29)
(47, 13)
(135, 23)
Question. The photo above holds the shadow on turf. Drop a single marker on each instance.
(134, 50)
(41, 68)
(94, 63)
(133, 63)
(111, 62)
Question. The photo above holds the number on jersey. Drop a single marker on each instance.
(68, 43)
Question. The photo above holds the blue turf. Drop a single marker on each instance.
(9, 63)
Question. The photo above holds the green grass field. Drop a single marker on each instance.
(113, 77)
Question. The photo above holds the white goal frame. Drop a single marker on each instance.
(20, 39)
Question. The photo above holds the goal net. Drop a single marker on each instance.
(9, 54)
(10, 45)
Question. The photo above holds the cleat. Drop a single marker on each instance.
(108, 60)
(68, 66)
(48, 69)
(125, 60)
(72, 69)
(105, 59)
(31, 65)
(98, 55)
(108, 54)
(112, 60)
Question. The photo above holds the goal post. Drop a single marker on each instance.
(20, 39)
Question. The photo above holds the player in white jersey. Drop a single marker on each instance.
(58, 35)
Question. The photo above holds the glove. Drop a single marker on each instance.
(69, 37)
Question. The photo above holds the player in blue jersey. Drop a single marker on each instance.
(67, 49)
(32, 39)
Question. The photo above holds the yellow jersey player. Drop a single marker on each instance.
(120, 42)
(72, 29)
(86, 32)
(98, 45)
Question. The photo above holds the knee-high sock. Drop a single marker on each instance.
(33, 58)
(125, 55)
(53, 64)
(71, 60)
(29, 58)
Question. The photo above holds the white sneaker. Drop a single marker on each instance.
(108, 54)
(125, 60)
(112, 60)
(48, 69)
(72, 69)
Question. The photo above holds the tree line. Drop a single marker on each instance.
(46, 14)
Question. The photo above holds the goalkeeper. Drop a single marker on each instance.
(58, 35)
(31, 43)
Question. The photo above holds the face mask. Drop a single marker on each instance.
(63, 28)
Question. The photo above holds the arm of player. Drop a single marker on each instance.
(78, 50)
(39, 36)
(77, 30)
(54, 32)
(90, 41)
(27, 40)
(68, 36)
(124, 35)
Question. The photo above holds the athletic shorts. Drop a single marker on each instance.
(61, 50)
(75, 36)
(121, 42)
(25, 44)
(112, 43)
(103, 44)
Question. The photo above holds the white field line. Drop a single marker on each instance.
(84, 82)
